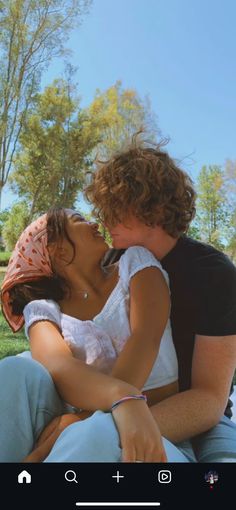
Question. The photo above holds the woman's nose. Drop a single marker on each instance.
(94, 225)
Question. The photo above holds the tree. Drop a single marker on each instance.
(116, 115)
(230, 186)
(194, 231)
(32, 32)
(59, 141)
(213, 216)
(54, 154)
(17, 220)
(3, 218)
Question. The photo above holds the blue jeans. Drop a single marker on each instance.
(29, 401)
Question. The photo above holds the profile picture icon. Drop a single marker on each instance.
(211, 477)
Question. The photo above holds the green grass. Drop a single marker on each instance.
(10, 343)
(4, 257)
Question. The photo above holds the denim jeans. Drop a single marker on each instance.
(29, 401)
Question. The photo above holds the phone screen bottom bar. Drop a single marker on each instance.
(118, 504)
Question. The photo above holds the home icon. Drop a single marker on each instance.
(24, 477)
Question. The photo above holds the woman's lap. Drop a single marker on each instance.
(28, 402)
(100, 433)
(96, 440)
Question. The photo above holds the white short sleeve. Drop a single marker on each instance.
(41, 310)
(135, 259)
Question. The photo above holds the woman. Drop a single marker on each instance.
(103, 335)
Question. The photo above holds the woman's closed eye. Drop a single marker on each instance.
(77, 218)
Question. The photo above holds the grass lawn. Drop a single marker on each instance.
(10, 343)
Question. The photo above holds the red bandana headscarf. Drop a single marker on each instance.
(29, 261)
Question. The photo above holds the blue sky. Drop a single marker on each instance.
(181, 53)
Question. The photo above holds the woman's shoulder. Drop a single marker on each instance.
(138, 251)
(46, 306)
(138, 254)
(135, 259)
(41, 310)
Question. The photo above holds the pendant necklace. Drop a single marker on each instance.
(85, 293)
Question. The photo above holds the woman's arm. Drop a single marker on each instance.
(149, 312)
(76, 382)
(84, 387)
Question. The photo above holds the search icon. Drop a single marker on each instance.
(69, 478)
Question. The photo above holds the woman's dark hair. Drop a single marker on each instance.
(54, 287)
(56, 227)
(44, 288)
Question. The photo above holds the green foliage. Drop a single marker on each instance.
(55, 150)
(230, 185)
(116, 115)
(3, 218)
(59, 141)
(213, 214)
(194, 232)
(4, 258)
(31, 34)
(16, 222)
(215, 221)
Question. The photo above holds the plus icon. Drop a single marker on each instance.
(117, 476)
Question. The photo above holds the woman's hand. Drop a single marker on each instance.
(50, 434)
(139, 433)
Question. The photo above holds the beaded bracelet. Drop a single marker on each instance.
(129, 397)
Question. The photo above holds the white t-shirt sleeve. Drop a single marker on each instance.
(134, 260)
(41, 310)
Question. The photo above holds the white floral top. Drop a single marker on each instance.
(98, 342)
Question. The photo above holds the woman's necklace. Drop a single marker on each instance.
(106, 271)
(84, 293)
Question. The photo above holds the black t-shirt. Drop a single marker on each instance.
(203, 298)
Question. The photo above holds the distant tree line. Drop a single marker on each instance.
(215, 221)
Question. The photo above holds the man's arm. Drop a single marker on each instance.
(196, 410)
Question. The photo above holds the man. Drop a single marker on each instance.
(143, 198)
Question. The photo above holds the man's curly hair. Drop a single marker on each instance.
(145, 181)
